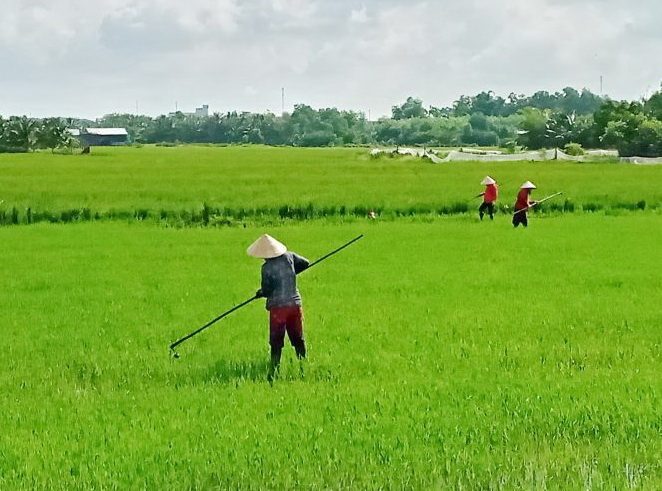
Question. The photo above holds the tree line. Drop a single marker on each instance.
(542, 120)
(23, 134)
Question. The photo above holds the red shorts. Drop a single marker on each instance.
(282, 320)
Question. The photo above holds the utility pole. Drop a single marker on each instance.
(600, 85)
(282, 101)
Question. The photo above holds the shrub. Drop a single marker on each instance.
(574, 149)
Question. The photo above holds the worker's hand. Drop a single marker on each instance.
(259, 293)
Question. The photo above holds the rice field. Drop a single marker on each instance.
(444, 352)
(151, 180)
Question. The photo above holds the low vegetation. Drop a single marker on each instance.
(444, 352)
(217, 186)
(437, 359)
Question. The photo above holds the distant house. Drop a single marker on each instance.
(202, 112)
(103, 137)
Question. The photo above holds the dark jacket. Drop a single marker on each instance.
(279, 280)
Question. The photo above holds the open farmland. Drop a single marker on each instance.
(258, 183)
(445, 353)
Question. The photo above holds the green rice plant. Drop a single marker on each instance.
(443, 354)
(592, 207)
(114, 182)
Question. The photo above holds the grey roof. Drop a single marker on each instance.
(106, 131)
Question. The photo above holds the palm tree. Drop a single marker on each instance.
(3, 125)
(20, 132)
(53, 133)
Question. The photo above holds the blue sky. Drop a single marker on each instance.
(86, 59)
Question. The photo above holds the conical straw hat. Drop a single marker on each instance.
(488, 180)
(528, 185)
(266, 247)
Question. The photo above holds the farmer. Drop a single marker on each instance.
(279, 287)
(523, 203)
(489, 197)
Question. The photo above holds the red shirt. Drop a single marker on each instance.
(491, 193)
(522, 199)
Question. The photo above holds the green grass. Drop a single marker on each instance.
(241, 182)
(445, 353)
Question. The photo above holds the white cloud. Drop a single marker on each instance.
(80, 57)
(360, 16)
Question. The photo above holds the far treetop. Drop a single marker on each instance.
(542, 120)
